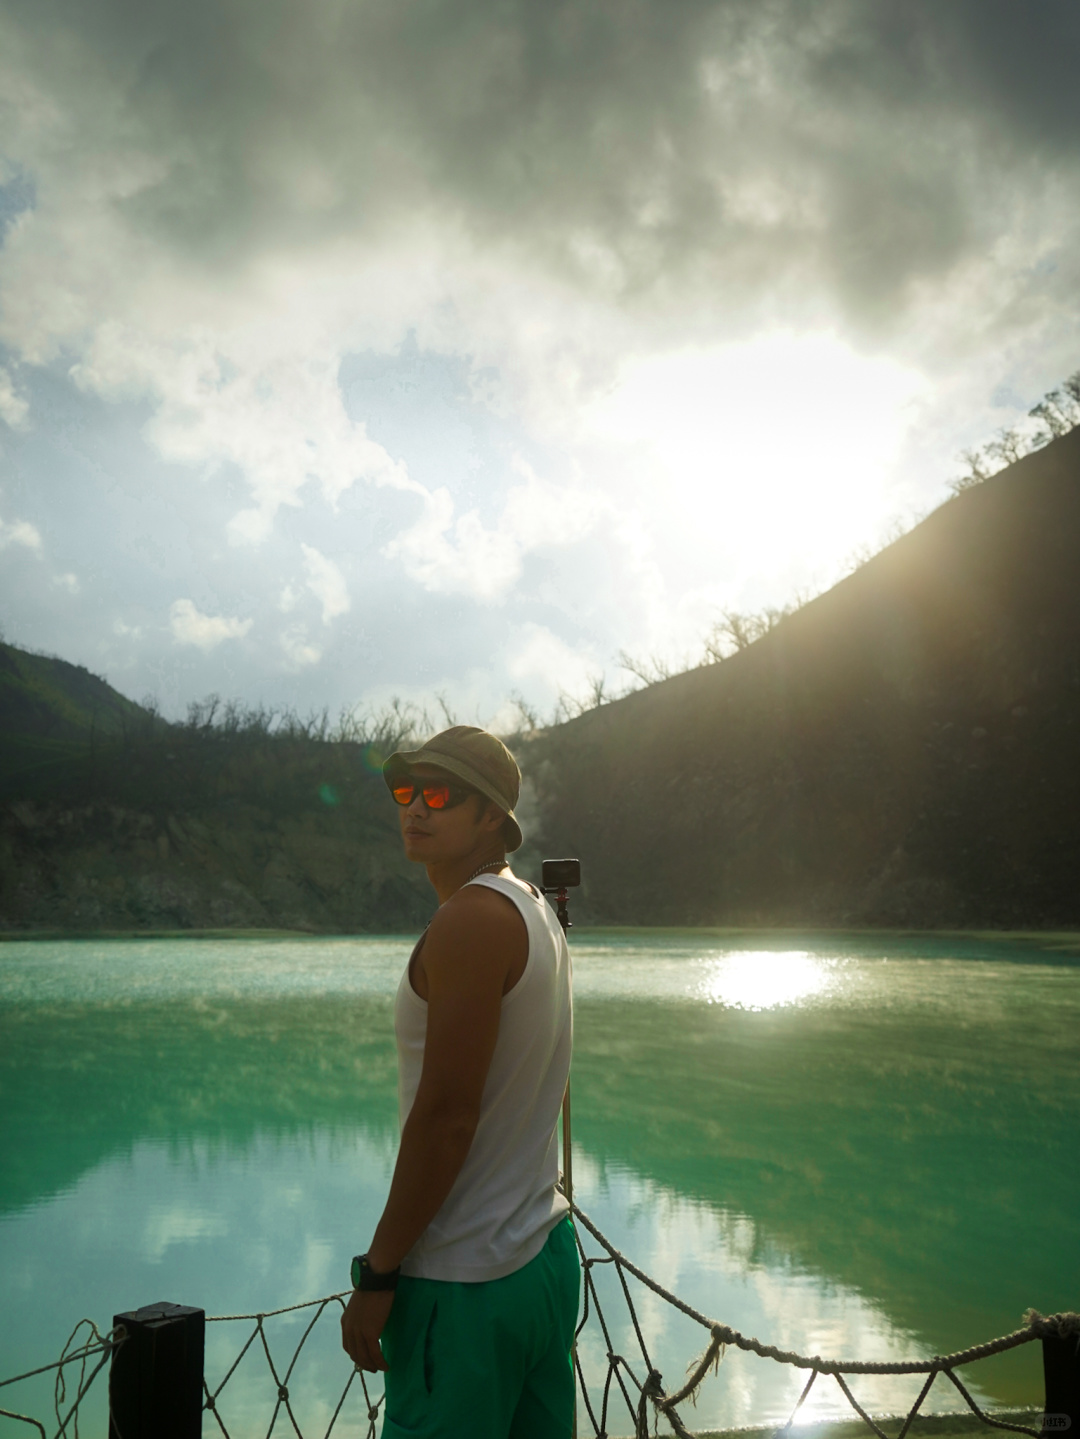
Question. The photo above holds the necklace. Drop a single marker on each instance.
(491, 864)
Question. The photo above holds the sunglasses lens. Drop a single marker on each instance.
(436, 796)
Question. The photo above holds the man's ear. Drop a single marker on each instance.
(493, 818)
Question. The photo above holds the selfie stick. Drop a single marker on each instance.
(559, 875)
(561, 899)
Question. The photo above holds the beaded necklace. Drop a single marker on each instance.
(491, 864)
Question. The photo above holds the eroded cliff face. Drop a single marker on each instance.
(103, 866)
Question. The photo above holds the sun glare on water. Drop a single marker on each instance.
(754, 980)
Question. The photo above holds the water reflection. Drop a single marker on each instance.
(829, 1149)
(250, 1226)
(718, 1261)
(749, 979)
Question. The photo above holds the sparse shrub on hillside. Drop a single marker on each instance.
(650, 669)
(1059, 411)
(1055, 415)
(528, 716)
(731, 632)
(597, 693)
(390, 727)
(737, 630)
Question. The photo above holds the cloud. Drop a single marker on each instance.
(711, 149)
(19, 532)
(213, 210)
(258, 400)
(326, 583)
(13, 408)
(297, 650)
(205, 632)
(461, 555)
(68, 582)
(538, 653)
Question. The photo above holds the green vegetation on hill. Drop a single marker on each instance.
(900, 751)
(223, 822)
(51, 710)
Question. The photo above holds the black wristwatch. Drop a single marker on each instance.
(368, 1280)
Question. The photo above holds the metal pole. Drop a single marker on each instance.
(567, 1147)
(567, 1151)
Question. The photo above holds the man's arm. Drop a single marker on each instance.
(474, 944)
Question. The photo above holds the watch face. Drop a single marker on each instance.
(355, 1272)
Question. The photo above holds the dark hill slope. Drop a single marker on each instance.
(57, 700)
(112, 819)
(50, 709)
(902, 751)
(173, 830)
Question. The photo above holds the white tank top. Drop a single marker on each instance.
(504, 1203)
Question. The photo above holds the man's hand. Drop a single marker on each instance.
(363, 1321)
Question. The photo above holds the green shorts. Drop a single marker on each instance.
(489, 1360)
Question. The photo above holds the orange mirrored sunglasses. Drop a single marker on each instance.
(436, 793)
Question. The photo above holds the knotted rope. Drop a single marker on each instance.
(94, 1344)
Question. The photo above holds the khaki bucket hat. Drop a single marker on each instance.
(478, 759)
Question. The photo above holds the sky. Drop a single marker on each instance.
(362, 348)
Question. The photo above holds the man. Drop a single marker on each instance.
(471, 1279)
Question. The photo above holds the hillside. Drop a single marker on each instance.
(127, 823)
(901, 751)
(50, 710)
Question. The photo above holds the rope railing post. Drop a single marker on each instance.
(1061, 1371)
(156, 1377)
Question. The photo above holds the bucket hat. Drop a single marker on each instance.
(479, 759)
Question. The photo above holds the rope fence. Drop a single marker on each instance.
(639, 1385)
(281, 1378)
(649, 1390)
(93, 1345)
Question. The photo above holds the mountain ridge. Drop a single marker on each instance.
(900, 750)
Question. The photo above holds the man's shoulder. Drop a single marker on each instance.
(478, 911)
(478, 906)
(478, 933)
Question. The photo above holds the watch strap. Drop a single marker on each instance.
(368, 1280)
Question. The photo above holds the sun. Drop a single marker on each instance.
(778, 452)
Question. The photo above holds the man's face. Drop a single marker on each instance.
(438, 835)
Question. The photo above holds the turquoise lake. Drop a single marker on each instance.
(856, 1146)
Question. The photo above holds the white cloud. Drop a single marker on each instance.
(205, 632)
(525, 214)
(13, 408)
(297, 650)
(256, 397)
(19, 532)
(537, 653)
(461, 555)
(67, 582)
(326, 583)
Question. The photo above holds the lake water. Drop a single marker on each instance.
(852, 1146)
